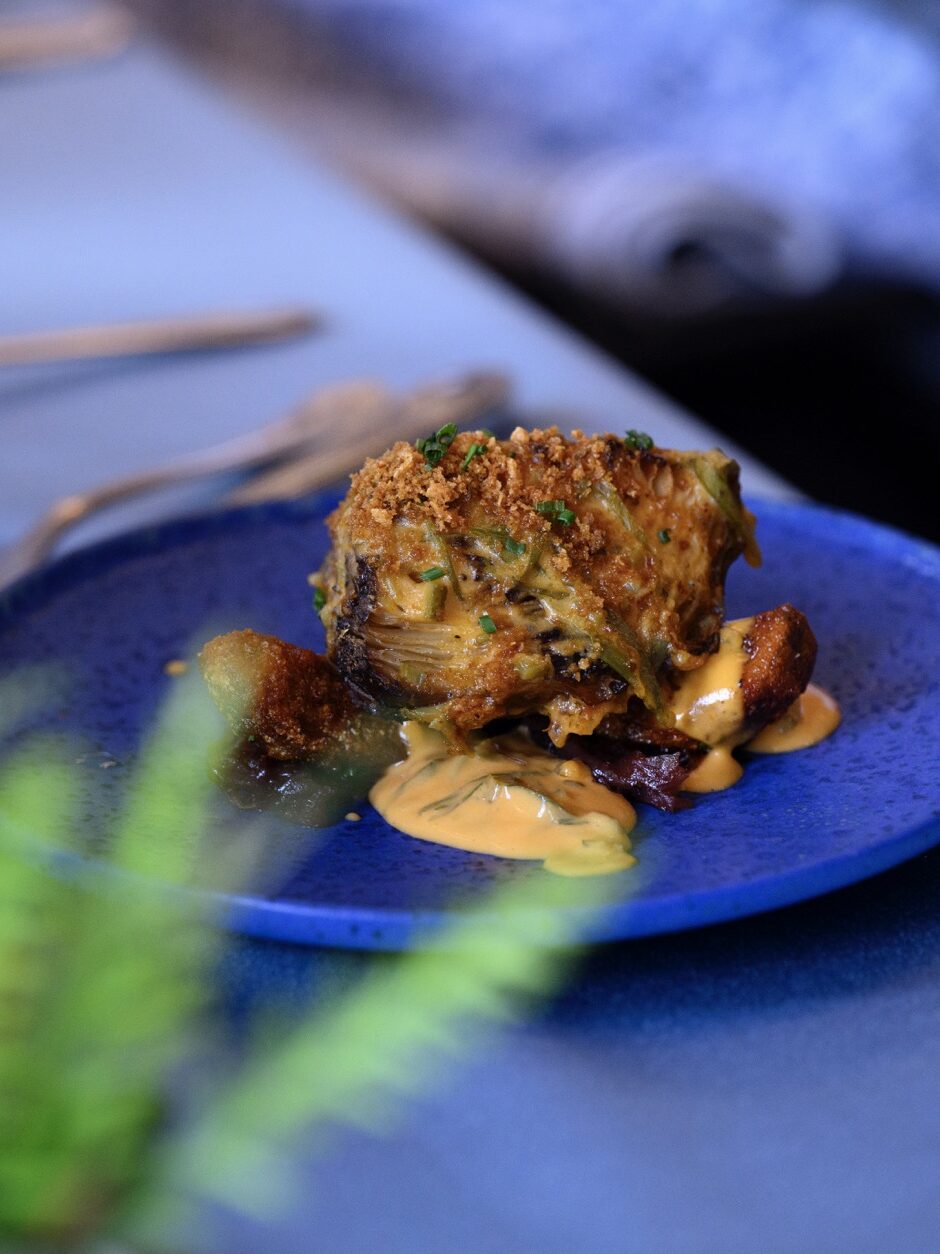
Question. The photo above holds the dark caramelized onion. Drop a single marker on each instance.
(640, 772)
(655, 779)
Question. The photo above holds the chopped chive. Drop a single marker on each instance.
(488, 433)
(435, 595)
(473, 451)
(432, 572)
(638, 440)
(439, 543)
(435, 446)
(514, 547)
(487, 624)
(319, 598)
(557, 511)
(664, 536)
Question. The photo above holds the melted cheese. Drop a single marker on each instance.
(811, 718)
(509, 799)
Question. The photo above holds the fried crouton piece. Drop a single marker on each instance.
(781, 654)
(289, 700)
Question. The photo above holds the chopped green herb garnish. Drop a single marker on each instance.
(442, 548)
(664, 536)
(432, 572)
(435, 594)
(488, 433)
(319, 599)
(473, 451)
(638, 440)
(557, 511)
(487, 624)
(435, 446)
(514, 547)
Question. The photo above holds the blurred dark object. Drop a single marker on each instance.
(743, 204)
(839, 394)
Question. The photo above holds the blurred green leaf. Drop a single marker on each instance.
(383, 1041)
(107, 999)
(102, 981)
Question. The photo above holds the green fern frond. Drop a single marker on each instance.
(106, 993)
(356, 1061)
(106, 980)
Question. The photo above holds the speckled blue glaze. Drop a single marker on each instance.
(796, 826)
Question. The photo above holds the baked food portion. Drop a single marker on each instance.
(571, 588)
(472, 578)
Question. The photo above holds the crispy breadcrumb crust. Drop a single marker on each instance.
(507, 482)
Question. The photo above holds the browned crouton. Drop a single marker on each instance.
(781, 651)
(288, 699)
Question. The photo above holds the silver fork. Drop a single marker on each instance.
(330, 433)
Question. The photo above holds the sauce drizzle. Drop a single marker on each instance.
(506, 798)
(811, 718)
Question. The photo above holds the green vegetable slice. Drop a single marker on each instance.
(721, 492)
(473, 451)
(557, 511)
(635, 543)
(443, 551)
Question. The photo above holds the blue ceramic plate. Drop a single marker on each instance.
(795, 826)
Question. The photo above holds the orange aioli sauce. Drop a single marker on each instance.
(811, 718)
(709, 706)
(506, 798)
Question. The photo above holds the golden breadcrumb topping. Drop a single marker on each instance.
(508, 480)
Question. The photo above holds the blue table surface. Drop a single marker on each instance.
(768, 1085)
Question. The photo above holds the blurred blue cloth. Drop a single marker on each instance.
(663, 153)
